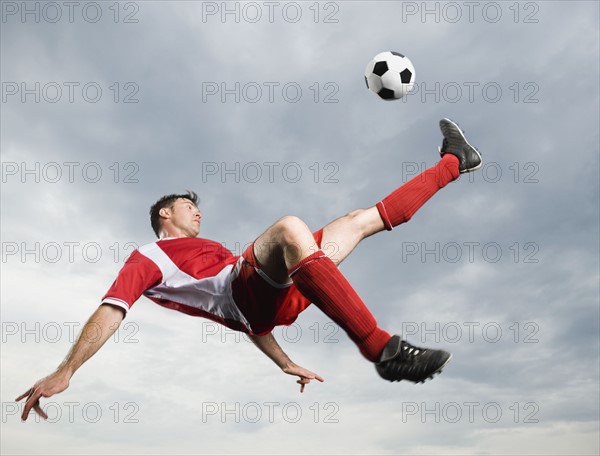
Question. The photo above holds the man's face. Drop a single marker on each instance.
(185, 218)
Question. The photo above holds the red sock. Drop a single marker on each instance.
(400, 205)
(320, 281)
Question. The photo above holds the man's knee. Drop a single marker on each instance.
(292, 229)
(295, 238)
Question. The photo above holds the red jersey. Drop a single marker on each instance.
(191, 275)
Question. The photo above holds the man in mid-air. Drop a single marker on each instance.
(276, 278)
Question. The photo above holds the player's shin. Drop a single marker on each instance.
(400, 205)
(320, 281)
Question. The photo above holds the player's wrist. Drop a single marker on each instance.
(65, 371)
(288, 366)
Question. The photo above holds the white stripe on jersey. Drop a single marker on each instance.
(211, 294)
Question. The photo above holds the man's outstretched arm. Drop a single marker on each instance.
(100, 326)
(269, 346)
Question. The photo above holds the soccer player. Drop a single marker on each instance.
(275, 279)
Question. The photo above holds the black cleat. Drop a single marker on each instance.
(402, 361)
(456, 144)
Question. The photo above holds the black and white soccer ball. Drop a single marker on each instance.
(390, 75)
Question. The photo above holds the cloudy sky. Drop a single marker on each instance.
(262, 109)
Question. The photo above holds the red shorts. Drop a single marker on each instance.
(265, 303)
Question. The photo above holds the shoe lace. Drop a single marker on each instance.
(407, 365)
(410, 352)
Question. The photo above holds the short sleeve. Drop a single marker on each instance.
(137, 275)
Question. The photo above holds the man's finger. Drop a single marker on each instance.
(25, 414)
(39, 411)
(29, 404)
(26, 411)
(26, 393)
(313, 376)
(302, 382)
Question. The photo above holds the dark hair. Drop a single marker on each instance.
(168, 201)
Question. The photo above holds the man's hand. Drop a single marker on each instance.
(305, 375)
(49, 386)
(269, 346)
(100, 326)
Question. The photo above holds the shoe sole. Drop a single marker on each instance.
(447, 133)
(439, 371)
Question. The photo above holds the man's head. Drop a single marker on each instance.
(176, 216)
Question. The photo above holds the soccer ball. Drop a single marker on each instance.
(390, 75)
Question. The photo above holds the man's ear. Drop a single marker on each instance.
(165, 212)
